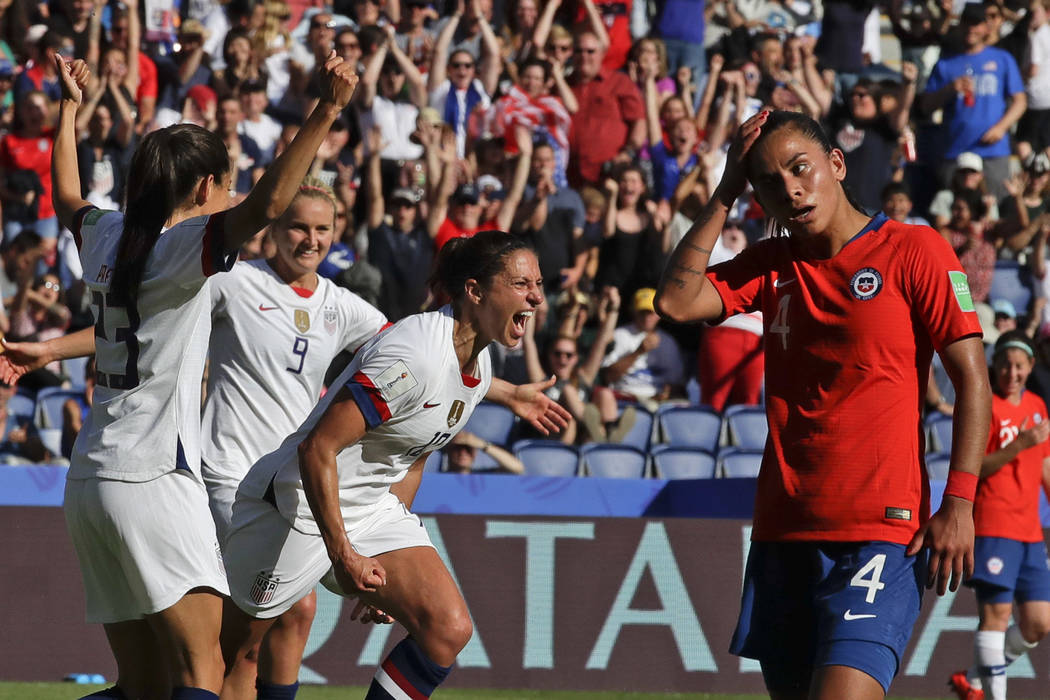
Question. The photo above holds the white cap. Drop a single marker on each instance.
(969, 161)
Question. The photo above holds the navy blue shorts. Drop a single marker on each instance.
(1007, 570)
(812, 604)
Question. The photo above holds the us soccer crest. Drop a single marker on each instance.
(455, 413)
(330, 317)
(263, 588)
(302, 320)
(866, 283)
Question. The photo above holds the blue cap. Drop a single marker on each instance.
(6, 67)
(1004, 307)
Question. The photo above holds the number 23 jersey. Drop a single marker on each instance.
(414, 399)
(145, 417)
(848, 344)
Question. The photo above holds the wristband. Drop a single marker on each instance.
(961, 485)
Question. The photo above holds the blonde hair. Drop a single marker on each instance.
(313, 188)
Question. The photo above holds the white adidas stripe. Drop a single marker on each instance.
(390, 686)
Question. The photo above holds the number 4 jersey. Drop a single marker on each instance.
(848, 344)
(408, 385)
(145, 417)
(271, 344)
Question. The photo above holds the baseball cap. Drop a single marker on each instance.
(973, 13)
(644, 299)
(193, 27)
(202, 96)
(1037, 163)
(404, 194)
(969, 161)
(465, 194)
(7, 69)
(1004, 307)
(491, 186)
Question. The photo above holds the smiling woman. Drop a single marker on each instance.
(854, 307)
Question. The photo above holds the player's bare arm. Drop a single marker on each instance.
(341, 426)
(19, 358)
(949, 532)
(530, 403)
(683, 294)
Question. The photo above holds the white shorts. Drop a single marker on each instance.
(221, 494)
(142, 545)
(271, 565)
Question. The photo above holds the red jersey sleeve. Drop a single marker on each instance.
(940, 293)
(739, 281)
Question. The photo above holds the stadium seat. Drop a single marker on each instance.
(690, 426)
(49, 404)
(22, 406)
(940, 433)
(937, 466)
(1013, 282)
(673, 462)
(492, 422)
(75, 368)
(435, 462)
(738, 463)
(640, 434)
(547, 457)
(747, 426)
(611, 461)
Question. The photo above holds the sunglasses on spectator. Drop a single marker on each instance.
(462, 64)
(564, 48)
(349, 45)
(330, 24)
(859, 94)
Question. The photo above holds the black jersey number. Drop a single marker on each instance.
(436, 442)
(299, 348)
(104, 308)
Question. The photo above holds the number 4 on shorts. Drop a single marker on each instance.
(872, 582)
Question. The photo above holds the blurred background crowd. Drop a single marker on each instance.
(595, 128)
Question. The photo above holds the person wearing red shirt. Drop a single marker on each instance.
(26, 152)
(611, 113)
(1010, 559)
(853, 308)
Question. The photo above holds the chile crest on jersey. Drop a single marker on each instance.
(865, 284)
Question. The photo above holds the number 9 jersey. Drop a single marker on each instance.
(414, 399)
(145, 418)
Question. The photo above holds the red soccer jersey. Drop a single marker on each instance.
(449, 230)
(848, 343)
(1007, 502)
(17, 153)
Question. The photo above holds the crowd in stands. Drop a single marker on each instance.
(594, 128)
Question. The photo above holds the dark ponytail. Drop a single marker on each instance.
(164, 171)
(480, 257)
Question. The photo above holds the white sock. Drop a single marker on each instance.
(1015, 645)
(990, 657)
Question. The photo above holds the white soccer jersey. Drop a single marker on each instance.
(270, 349)
(408, 385)
(145, 417)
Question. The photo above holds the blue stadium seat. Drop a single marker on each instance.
(22, 406)
(940, 433)
(49, 404)
(937, 466)
(492, 422)
(435, 462)
(641, 432)
(747, 425)
(690, 426)
(75, 368)
(673, 462)
(1013, 282)
(612, 461)
(547, 457)
(735, 462)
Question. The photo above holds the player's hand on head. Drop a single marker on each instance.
(338, 81)
(734, 179)
(948, 535)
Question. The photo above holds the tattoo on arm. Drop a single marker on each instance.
(689, 270)
(697, 248)
(678, 282)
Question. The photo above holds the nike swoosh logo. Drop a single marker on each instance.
(850, 616)
(783, 283)
(266, 308)
(431, 405)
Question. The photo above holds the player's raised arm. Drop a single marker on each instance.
(65, 173)
(684, 294)
(949, 532)
(278, 186)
